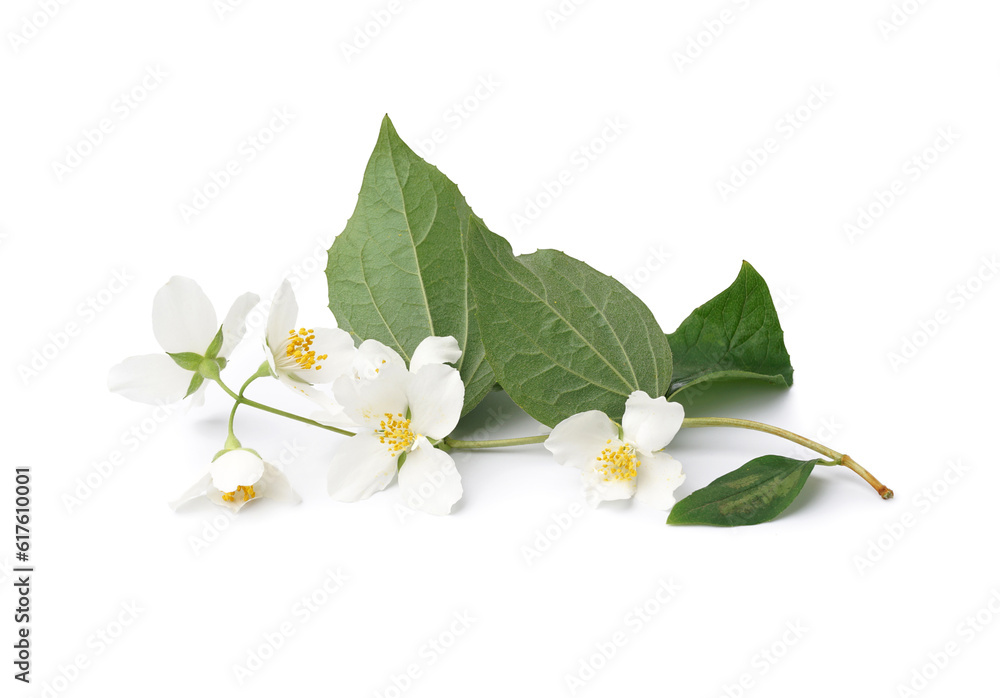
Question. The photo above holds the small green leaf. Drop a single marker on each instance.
(752, 494)
(215, 346)
(562, 337)
(196, 381)
(734, 336)
(187, 360)
(398, 273)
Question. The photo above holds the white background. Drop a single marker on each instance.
(846, 303)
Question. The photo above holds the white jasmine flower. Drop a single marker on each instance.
(237, 477)
(184, 322)
(399, 412)
(619, 463)
(300, 357)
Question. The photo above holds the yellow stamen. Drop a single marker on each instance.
(246, 491)
(395, 433)
(618, 463)
(299, 349)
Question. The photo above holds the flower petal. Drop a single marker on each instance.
(597, 489)
(235, 469)
(657, 478)
(373, 357)
(339, 349)
(429, 480)
(152, 378)
(578, 440)
(183, 317)
(234, 326)
(361, 467)
(198, 489)
(281, 316)
(435, 394)
(649, 423)
(435, 350)
(367, 401)
(274, 485)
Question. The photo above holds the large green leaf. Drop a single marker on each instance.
(562, 337)
(752, 494)
(734, 336)
(398, 273)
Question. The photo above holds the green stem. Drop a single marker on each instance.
(838, 458)
(498, 443)
(240, 400)
(701, 422)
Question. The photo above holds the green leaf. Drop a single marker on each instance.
(755, 493)
(734, 336)
(398, 273)
(187, 360)
(562, 337)
(215, 346)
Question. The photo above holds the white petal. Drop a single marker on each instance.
(154, 379)
(331, 412)
(361, 467)
(651, 423)
(578, 440)
(274, 485)
(198, 489)
(281, 316)
(597, 489)
(435, 350)
(368, 401)
(234, 326)
(236, 469)
(183, 317)
(435, 394)
(339, 349)
(373, 357)
(429, 480)
(657, 478)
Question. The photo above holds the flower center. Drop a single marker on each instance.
(618, 462)
(395, 433)
(298, 349)
(247, 493)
